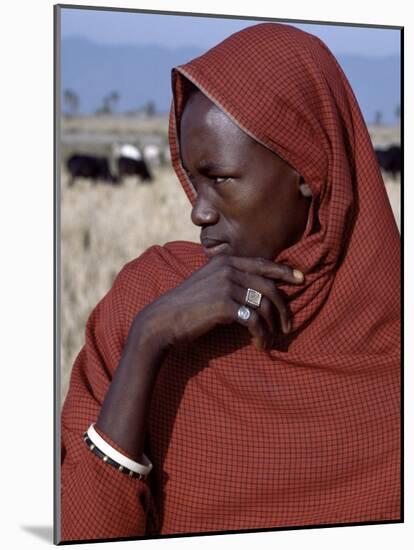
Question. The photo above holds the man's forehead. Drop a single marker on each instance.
(202, 111)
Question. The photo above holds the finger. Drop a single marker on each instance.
(269, 291)
(267, 268)
(255, 325)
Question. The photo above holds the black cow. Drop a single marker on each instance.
(390, 159)
(133, 167)
(89, 166)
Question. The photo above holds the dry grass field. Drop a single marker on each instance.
(104, 226)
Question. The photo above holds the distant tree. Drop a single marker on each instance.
(378, 118)
(397, 112)
(71, 101)
(112, 100)
(150, 109)
(108, 104)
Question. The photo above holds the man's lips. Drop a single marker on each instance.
(212, 247)
(208, 243)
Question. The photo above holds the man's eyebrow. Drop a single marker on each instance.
(211, 166)
(208, 166)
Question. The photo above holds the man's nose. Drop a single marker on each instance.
(203, 212)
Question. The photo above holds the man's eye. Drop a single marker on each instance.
(216, 178)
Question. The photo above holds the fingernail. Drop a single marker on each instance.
(298, 275)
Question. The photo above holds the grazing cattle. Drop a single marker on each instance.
(89, 166)
(389, 159)
(152, 154)
(132, 167)
(126, 150)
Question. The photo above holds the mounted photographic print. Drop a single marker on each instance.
(228, 271)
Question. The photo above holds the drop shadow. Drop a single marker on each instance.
(43, 532)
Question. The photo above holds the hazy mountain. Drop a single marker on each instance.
(142, 73)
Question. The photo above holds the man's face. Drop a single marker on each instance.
(247, 196)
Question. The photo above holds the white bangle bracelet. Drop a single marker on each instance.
(117, 456)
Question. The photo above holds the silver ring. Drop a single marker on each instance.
(243, 313)
(253, 298)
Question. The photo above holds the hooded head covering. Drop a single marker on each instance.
(284, 88)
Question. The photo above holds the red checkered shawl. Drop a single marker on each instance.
(308, 433)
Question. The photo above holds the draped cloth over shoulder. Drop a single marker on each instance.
(307, 433)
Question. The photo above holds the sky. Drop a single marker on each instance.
(120, 27)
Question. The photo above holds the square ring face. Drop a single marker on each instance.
(253, 297)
